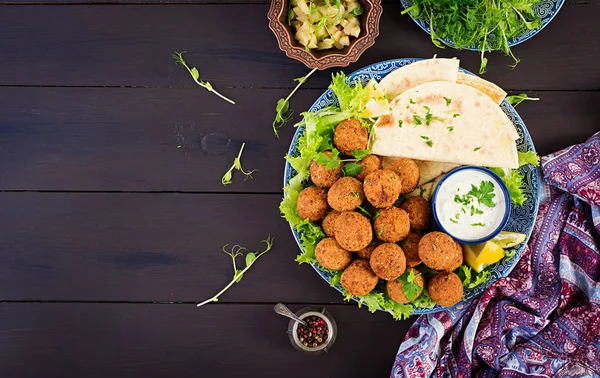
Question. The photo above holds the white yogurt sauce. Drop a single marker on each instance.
(466, 217)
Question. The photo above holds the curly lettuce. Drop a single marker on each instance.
(514, 179)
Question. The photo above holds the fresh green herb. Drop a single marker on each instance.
(448, 101)
(329, 162)
(417, 120)
(364, 211)
(290, 17)
(477, 149)
(455, 115)
(471, 280)
(376, 215)
(410, 288)
(478, 224)
(400, 123)
(238, 274)
(489, 25)
(178, 56)
(380, 232)
(283, 114)
(411, 101)
(237, 164)
(427, 140)
(450, 128)
(352, 169)
(421, 191)
(484, 194)
(356, 194)
(357, 11)
(515, 100)
(453, 221)
(360, 154)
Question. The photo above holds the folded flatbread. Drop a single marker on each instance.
(447, 122)
(422, 71)
(493, 91)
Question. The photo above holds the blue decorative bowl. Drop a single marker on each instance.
(546, 9)
(521, 218)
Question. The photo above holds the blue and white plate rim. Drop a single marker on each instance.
(532, 176)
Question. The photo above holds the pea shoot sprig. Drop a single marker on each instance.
(238, 274)
(283, 113)
(237, 164)
(178, 56)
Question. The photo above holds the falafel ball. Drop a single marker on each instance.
(410, 246)
(408, 172)
(395, 289)
(366, 252)
(353, 231)
(323, 177)
(358, 278)
(419, 212)
(331, 256)
(329, 222)
(439, 252)
(388, 261)
(350, 135)
(382, 188)
(346, 194)
(391, 225)
(445, 289)
(312, 203)
(369, 163)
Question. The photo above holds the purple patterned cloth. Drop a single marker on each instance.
(543, 320)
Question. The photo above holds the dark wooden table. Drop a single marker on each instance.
(110, 232)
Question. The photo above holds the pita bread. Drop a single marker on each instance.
(490, 89)
(417, 73)
(465, 127)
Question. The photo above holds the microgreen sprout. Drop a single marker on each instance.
(238, 274)
(237, 164)
(283, 113)
(178, 56)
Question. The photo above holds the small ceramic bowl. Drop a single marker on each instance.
(322, 59)
(504, 203)
(320, 313)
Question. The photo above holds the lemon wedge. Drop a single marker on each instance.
(478, 256)
(375, 102)
(507, 239)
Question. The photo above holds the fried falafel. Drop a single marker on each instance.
(382, 188)
(388, 261)
(312, 203)
(395, 289)
(323, 177)
(353, 231)
(331, 256)
(346, 194)
(358, 278)
(408, 172)
(350, 135)
(438, 251)
(445, 289)
(419, 212)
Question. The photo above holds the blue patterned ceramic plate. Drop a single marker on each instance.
(521, 217)
(546, 9)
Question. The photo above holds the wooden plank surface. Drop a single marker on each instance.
(113, 45)
(147, 247)
(127, 139)
(152, 341)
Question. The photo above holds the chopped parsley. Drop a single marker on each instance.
(477, 148)
(400, 123)
(451, 128)
(455, 115)
(427, 140)
(412, 101)
(479, 224)
(484, 193)
(380, 231)
(453, 221)
(417, 120)
(448, 101)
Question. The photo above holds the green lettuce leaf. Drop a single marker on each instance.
(472, 279)
(529, 157)
(514, 179)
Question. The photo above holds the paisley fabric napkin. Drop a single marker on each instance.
(543, 320)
